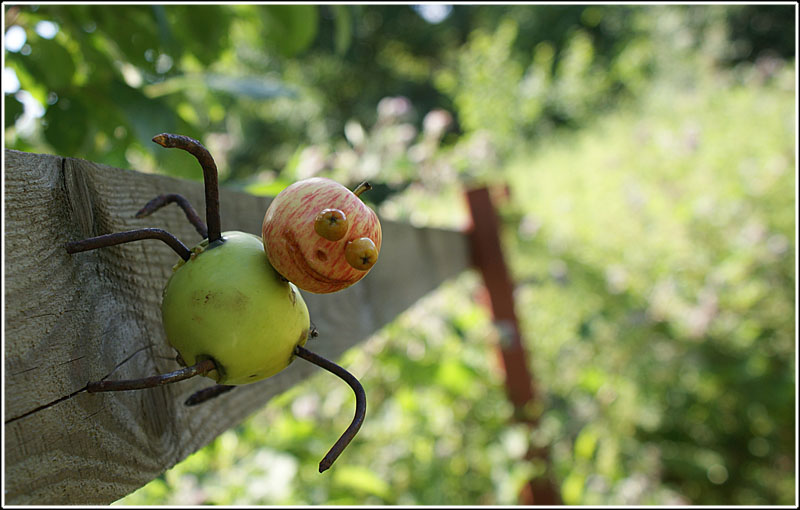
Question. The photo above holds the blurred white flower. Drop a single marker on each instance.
(436, 123)
(391, 108)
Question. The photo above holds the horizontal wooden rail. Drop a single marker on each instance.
(71, 319)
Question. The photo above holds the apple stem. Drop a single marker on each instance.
(361, 188)
(197, 150)
(361, 404)
(103, 241)
(162, 200)
(201, 368)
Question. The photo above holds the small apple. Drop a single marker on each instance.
(228, 304)
(321, 236)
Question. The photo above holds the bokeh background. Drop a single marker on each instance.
(649, 158)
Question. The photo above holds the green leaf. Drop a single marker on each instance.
(361, 479)
(290, 28)
(290, 170)
(592, 379)
(572, 488)
(146, 116)
(165, 35)
(454, 376)
(202, 30)
(256, 87)
(50, 63)
(586, 442)
(344, 28)
(267, 189)
(66, 125)
(13, 109)
(131, 28)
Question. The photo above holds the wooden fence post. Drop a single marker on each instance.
(488, 258)
(71, 319)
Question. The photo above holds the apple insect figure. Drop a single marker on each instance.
(232, 315)
(320, 235)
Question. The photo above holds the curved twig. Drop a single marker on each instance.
(165, 199)
(206, 394)
(202, 155)
(361, 404)
(106, 240)
(201, 368)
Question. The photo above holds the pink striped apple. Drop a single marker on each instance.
(321, 236)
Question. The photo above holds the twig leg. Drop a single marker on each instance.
(361, 404)
(191, 215)
(106, 240)
(203, 157)
(201, 368)
(207, 394)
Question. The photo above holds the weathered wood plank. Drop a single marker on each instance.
(71, 319)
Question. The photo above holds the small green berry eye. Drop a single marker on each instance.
(331, 224)
(361, 253)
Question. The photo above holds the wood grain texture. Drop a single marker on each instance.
(71, 319)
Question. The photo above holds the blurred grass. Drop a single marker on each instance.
(654, 252)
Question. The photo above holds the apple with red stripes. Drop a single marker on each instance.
(320, 235)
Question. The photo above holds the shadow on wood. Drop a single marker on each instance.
(71, 319)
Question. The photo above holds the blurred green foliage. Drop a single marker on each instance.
(649, 153)
(245, 77)
(659, 249)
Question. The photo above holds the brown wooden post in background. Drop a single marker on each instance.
(487, 256)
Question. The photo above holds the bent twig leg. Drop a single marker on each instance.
(207, 394)
(361, 404)
(201, 368)
(106, 240)
(162, 200)
(203, 157)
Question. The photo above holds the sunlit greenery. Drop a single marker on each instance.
(659, 247)
(649, 157)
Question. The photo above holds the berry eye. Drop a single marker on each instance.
(331, 224)
(361, 253)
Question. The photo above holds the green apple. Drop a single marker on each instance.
(227, 303)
